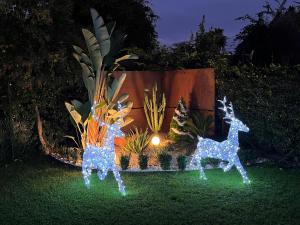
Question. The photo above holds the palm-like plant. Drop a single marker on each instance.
(103, 89)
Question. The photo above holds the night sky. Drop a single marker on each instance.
(179, 18)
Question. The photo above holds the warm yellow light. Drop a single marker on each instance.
(155, 140)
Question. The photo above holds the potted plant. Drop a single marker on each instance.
(165, 160)
(181, 162)
(124, 161)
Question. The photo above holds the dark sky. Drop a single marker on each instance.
(179, 18)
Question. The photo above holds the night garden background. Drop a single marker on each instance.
(44, 132)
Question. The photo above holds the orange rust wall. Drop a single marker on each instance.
(196, 86)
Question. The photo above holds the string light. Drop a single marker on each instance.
(226, 150)
(103, 158)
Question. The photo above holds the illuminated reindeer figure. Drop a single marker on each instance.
(103, 158)
(225, 150)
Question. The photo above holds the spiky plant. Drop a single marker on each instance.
(196, 125)
(103, 88)
(154, 109)
(137, 141)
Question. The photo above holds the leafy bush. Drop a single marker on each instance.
(197, 124)
(267, 100)
(137, 141)
(165, 160)
(143, 161)
(124, 161)
(181, 161)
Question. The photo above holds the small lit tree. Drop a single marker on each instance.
(178, 123)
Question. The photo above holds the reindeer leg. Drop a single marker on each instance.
(86, 172)
(201, 170)
(102, 173)
(228, 166)
(192, 162)
(119, 180)
(241, 170)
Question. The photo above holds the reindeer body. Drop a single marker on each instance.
(103, 158)
(225, 150)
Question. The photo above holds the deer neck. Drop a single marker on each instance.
(233, 136)
(109, 140)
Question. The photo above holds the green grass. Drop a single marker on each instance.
(46, 193)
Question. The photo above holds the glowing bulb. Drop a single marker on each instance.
(155, 140)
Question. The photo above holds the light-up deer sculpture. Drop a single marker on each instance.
(225, 150)
(103, 158)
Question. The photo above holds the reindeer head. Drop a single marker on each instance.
(230, 117)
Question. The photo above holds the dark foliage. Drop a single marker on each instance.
(267, 100)
(204, 47)
(272, 37)
(124, 161)
(143, 161)
(164, 160)
(37, 67)
(181, 161)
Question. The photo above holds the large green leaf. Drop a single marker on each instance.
(123, 98)
(77, 49)
(101, 32)
(111, 27)
(82, 58)
(117, 39)
(83, 109)
(75, 115)
(93, 48)
(77, 104)
(116, 86)
(89, 80)
(126, 57)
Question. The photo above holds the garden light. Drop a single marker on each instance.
(226, 150)
(155, 140)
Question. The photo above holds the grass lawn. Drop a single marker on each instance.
(47, 193)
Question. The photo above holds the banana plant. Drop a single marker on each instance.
(98, 65)
(154, 109)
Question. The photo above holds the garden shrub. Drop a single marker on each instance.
(164, 160)
(124, 161)
(143, 161)
(197, 124)
(137, 141)
(267, 100)
(181, 161)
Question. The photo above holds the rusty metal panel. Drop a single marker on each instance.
(196, 86)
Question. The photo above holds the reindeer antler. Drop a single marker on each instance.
(229, 112)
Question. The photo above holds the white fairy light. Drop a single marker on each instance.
(102, 158)
(225, 150)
